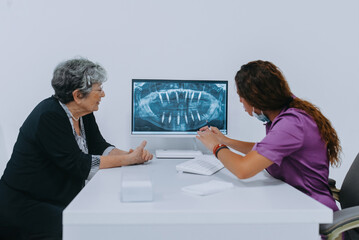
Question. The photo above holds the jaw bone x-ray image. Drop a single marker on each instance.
(178, 106)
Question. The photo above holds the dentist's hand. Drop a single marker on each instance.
(218, 134)
(208, 138)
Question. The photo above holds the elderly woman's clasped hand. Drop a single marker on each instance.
(139, 155)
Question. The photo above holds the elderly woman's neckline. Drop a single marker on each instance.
(74, 118)
(75, 112)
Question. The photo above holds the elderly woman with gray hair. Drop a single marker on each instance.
(58, 148)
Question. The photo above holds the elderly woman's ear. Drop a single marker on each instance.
(77, 95)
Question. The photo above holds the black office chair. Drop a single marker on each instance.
(345, 221)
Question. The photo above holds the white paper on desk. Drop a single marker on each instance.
(208, 188)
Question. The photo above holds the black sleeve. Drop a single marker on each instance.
(95, 142)
(55, 137)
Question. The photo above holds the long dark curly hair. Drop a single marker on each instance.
(264, 87)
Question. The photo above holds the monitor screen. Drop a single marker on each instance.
(178, 107)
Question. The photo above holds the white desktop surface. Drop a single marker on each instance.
(257, 208)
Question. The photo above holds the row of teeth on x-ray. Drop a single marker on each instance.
(177, 97)
(188, 95)
(186, 118)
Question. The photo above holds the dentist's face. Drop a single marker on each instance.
(247, 107)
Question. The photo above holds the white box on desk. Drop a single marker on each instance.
(136, 187)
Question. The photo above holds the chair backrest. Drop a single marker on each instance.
(349, 192)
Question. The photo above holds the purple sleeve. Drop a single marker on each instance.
(283, 138)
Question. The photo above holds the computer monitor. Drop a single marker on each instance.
(178, 107)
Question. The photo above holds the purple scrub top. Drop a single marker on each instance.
(299, 154)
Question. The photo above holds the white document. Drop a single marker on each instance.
(207, 188)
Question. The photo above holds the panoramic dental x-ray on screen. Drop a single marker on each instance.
(178, 106)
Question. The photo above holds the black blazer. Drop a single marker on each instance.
(47, 164)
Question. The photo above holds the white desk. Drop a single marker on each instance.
(257, 208)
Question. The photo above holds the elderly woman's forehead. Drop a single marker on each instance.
(97, 84)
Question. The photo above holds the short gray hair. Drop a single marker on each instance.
(73, 74)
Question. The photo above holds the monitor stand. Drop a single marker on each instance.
(178, 154)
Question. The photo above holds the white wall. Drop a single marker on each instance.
(315, 43)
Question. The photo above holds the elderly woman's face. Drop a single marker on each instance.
(91, 102)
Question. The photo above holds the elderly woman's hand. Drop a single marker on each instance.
(208, 138)
(139, 155)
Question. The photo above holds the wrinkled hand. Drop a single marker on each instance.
(145, 155)
(139, 155)
(208, 138)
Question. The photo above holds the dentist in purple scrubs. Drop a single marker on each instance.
(300, 142)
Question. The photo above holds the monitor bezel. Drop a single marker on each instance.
(173, 133)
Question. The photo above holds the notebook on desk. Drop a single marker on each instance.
(202, 164)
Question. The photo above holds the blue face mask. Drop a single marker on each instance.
(260, 117)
